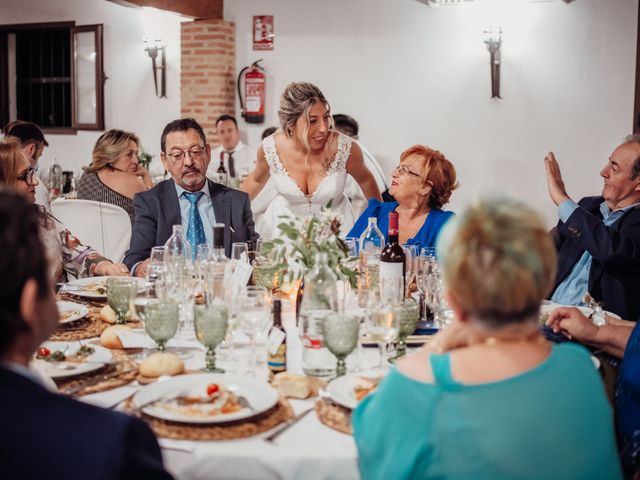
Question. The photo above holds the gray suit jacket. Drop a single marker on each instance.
(158, 209)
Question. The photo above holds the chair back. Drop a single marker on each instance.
(103, 226)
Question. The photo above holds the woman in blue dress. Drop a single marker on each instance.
(421, 185)
(489, 397)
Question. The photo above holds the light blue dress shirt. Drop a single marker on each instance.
(572, 289)
(205, 208)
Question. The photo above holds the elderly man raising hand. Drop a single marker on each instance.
(598, 239)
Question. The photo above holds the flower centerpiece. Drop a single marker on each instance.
(293, 254)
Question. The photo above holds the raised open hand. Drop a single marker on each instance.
(555, 183)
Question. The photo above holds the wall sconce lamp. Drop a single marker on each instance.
(155, 49)
(494, 45)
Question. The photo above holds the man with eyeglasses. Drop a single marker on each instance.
(32, 143)
(188, 198)
(598, 238)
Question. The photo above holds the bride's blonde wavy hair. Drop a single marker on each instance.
(296, 101)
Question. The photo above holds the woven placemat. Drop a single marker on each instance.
(334, 416)
(122, 371)
(219, 431)
(96, 302)
(88, 327)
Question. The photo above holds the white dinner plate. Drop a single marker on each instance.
(260, 395)
(90, 287)
(98, 359)
(547, 308)
(342, 391)
(70, 311)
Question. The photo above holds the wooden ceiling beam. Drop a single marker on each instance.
(209, 9)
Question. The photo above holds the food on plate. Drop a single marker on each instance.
(110, 338)
(67, 314)
(161, 363)
(215, 399)
(364, 386)
(78, 356)
(292, 385)
(99, 287)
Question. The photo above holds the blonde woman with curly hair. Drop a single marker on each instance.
(115, 174)
(489, 397)
(308, 161)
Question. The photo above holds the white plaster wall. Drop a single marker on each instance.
(414, 74)
(129, 95)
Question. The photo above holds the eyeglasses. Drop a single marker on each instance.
(27, 177)
(404, 170)
(195, 153)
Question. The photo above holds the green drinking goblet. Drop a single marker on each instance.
(211, 322)
(341, 332)
(118, 295)
(161, 321)
(408, 313)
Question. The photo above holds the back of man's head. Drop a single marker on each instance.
(22, 258)
(25, 133)
(346, 125)
(181, 125)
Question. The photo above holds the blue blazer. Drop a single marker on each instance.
(158, 209)
(614, 277)
(47, 435)
(426, 236)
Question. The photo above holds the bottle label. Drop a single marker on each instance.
(274, 342)
(390, 270)
(313, 343)
(277, 362)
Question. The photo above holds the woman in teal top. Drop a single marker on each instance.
(421, 184)
(501, 403)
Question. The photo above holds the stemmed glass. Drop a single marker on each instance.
(211, 323)
(341, 333)
(156, 263)
(253, 316)
(411, 265)
(240, 252)
(384, 324)
(408, 313)
(118, 296)
(161, 321)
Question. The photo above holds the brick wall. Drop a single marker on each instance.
(207, 72)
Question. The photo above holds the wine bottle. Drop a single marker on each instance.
(222, 176)
(277, 358)
(392, 263)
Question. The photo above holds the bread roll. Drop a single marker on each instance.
(292, 385)
(109, 337)
(108, 315)
(161, 363)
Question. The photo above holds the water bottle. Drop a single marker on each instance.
(371, 245)
(320, 300)
(177, 248)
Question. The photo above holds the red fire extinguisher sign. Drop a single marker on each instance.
(263, 32)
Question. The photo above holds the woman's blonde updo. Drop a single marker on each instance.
(110, 145)
(295, 102)
(499, 261)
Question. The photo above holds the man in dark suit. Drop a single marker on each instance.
(188, 199)
(598, 239)
(43, 433)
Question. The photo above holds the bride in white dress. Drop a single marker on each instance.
(308, 162)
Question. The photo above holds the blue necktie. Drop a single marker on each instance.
(195, 231)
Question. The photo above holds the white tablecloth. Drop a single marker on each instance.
(308, 450)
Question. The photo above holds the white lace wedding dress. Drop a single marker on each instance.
(292, 201)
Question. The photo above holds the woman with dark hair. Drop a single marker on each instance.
(488, 397)
(308, 162)
(421, 185)
(115, 174)
(66, 255)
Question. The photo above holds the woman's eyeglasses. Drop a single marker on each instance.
(404, 170)
(27, 176)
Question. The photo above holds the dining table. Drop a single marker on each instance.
(307, 449)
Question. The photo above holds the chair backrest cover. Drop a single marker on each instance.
(105, 227)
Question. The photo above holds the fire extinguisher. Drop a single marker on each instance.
(252, 106)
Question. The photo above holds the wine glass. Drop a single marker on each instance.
(383, 327)
(118, 296)
(161, 321)
(211, 322)
(352, 245)
(156, 263)
(408, 313)
(253, 316)
(341, 333)
(240, 251)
